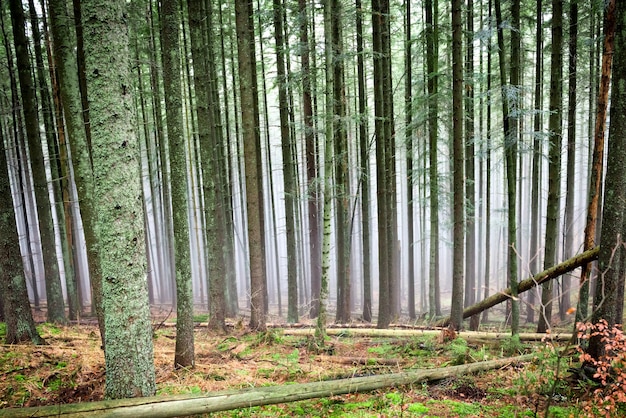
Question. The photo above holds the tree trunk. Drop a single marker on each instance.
(537, 157)
(117, 194)
(487, 248)
(554, 160)
(364, 157)
(161, 165)
(211, 180)
(14, 159)
(470, 184)
(288, 166)
(54, 160)
(320, 329)
(54, 293)
(311, 164)
(408, 110)
(274, 252)
(510, 147)
(232, 303)
(18, 316)
(432, 68)
(595, 182)
(252, 153)
(170, 24)
(456, 314)
(342, 183)
(67, 67)
(388, 303)
(607, 293)
(571, 156)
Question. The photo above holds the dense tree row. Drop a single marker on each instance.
(222, 155)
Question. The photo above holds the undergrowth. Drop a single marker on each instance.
(608, 383)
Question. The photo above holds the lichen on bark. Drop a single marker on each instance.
(117, 195)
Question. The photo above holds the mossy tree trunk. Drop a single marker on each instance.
(209, 144)
(117, 195)
(252, 159)
(170, 22)
(54, 293)
(69, 84)
(20, 326)
(13, 156)
(54, 159)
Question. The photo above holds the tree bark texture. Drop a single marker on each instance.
(170, 22)
(117, 194)
(69, 84)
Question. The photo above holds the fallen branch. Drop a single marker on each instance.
(173, 406)
(549, 274)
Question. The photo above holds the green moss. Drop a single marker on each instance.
(512, 346)
(458, 351)
(49, 329)
(508, 411)
(395, 397)
(201, 318)
(418, 408)
(381, 350)
(462, 409)
(54, 384)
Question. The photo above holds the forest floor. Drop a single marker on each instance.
(70, 369)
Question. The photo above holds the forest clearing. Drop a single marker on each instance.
(70, 369)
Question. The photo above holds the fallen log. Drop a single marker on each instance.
(173, 406)
(361, 361)
(470, 336)
(549, 274)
